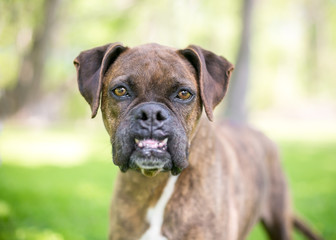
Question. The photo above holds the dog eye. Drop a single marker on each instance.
(120, 92)
(184, 95)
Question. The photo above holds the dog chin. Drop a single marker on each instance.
(150, 162)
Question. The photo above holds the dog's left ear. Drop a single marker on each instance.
(213, 72)
(91, 66)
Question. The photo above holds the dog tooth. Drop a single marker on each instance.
(164, 141)
(140, 145)
(136, 141)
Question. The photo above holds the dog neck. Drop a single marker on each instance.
(139, 203)
(155, 215)
(133, 185)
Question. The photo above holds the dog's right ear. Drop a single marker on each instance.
(91, 66)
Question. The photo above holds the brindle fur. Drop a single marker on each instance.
(234, 177)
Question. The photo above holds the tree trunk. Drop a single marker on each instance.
(236, 110)
(315, 19)
(28, 84)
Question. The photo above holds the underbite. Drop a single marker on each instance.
(152, 144)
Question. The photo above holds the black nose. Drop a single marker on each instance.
(152, 114)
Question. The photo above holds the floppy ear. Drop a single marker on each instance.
(91, 66)
(214, 73)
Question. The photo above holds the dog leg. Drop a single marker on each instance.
(276, 215)
(277, 230)
(277, 221)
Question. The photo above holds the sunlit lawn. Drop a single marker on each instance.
(57, 183)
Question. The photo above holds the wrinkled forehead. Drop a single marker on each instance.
(152, 62)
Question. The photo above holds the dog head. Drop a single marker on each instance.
(151, 99)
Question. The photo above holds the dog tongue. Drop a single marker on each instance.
(150, 172)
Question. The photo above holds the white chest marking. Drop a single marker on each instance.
(155, 214)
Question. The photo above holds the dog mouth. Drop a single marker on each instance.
(152, 144)
(151, 156)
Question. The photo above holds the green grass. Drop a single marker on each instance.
(43, 198)
(70, 203)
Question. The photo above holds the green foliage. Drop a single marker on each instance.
(283, 55)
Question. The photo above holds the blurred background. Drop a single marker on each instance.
(56, 172)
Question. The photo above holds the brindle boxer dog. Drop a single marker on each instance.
(183, 176)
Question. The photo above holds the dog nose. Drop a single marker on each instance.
(152, 114)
